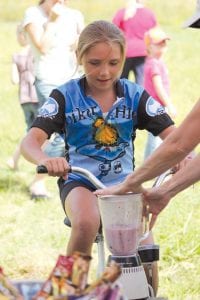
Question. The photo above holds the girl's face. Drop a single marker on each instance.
(102, 64)
(158, 50)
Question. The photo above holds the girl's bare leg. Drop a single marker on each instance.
(82, 210)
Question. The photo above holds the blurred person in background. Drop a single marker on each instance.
(52, 29)
(22, 75)
(156, 78)
(134, 20)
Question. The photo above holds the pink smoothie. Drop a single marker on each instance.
(122, 239)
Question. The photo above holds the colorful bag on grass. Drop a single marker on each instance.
(68, 281)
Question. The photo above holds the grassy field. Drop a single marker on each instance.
(32, 234)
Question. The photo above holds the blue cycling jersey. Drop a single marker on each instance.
(101, 143)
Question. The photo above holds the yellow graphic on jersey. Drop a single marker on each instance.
(105, 134)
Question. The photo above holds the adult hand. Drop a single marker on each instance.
(120, 189)
(157, 199)
(56, 166)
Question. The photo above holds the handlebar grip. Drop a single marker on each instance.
(41, 169)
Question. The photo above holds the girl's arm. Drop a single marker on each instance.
(31, 146)
(31, 149)
(14, 74)
(166, 132)
(162, 94)
(43, 36)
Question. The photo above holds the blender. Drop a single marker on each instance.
(123, 226)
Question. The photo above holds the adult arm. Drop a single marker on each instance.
(158, 197)
(42, 37)
(174, 148)
(80, 23)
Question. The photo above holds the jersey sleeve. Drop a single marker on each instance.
(51, 116)
(152, 115)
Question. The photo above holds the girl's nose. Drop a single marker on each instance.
(104, 69)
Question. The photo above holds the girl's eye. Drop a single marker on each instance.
(114, 63)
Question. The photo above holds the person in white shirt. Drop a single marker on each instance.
(53, 30)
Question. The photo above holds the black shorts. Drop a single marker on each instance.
(66, 188)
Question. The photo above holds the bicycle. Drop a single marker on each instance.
(131, 270)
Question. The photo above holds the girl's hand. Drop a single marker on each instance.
(56, 166)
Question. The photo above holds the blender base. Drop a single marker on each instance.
(132, 279)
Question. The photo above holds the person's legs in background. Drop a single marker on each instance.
(127, 68)
(152, 143)
(136, 65)
(138, 69)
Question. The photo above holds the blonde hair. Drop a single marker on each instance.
(97, 32)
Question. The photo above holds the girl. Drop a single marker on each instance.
(22, 74)
(156, 79)
(98, 115)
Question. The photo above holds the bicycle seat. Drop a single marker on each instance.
(67, 221)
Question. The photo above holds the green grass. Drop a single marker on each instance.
(32, 234)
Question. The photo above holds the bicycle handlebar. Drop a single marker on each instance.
(97, 183)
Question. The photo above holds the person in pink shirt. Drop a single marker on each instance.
(156, 79)
(134, 20)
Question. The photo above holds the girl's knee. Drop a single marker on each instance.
(87, 226)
